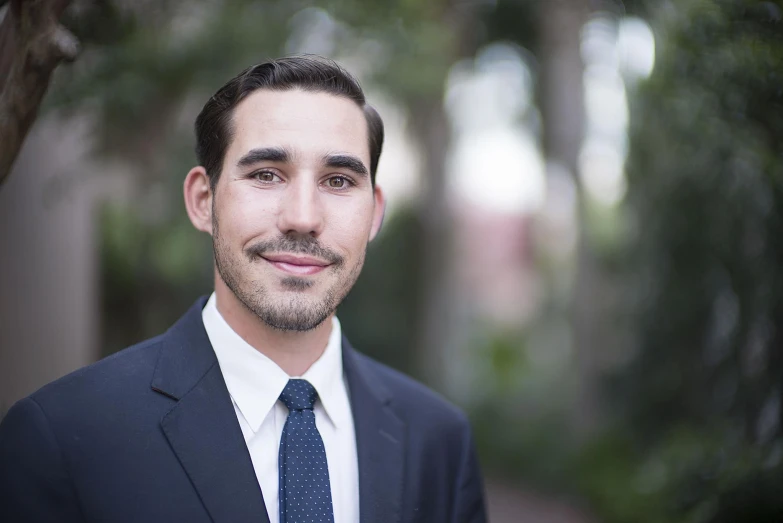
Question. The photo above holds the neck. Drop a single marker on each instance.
(292, 351)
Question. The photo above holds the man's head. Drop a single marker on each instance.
(214, 128)
(286, 186)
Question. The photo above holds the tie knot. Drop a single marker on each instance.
(298, 395)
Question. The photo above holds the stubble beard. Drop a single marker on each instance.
(293, 313)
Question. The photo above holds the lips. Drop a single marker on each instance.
(297, 265)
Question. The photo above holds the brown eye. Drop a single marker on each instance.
(338, 182)
(264, 176)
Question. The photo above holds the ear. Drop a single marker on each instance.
(198, 199)
(378, 212)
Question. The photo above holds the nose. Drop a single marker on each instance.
(301, 209)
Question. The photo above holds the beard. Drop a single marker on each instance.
(293, 310)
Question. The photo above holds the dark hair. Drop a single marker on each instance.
(309, 73)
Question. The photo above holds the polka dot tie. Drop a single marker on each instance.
(305, 494)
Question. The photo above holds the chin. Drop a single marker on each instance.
(296, 283)
(292, 318)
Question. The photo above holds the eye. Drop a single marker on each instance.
(338, 182)
(264, 176)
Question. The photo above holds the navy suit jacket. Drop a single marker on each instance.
(150, 435)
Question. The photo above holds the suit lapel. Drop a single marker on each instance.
(380, 442)
(203, 431)
(202, 428)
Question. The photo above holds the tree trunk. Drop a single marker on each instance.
(436, 332)
(560, 81)
(32, 44)
(563, 114)
(430, 127)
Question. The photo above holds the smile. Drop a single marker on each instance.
(298, 265)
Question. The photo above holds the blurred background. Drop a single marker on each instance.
(583, 246)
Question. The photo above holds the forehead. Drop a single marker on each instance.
(309, 123)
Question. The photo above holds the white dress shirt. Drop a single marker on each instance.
(255, 383)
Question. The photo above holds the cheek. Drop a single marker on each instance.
(245, 216)
(350, 226)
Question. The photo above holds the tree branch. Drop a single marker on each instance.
(32, 44)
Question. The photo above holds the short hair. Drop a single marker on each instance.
(308, 73)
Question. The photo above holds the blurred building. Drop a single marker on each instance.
(48, 261)
(495, 263)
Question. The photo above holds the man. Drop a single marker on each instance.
(253, 407)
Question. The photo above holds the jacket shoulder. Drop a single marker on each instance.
(123, 372)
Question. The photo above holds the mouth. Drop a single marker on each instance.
(296, 265)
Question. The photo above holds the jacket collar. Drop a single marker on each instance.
(202, 427)
(381, 438)
(204, 433)
(186, 355)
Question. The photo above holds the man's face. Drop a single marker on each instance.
(294, 207)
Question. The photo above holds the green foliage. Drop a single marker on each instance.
(151, 271)
(706, 186)
(507, 361)
(418, 43)
(605, 472)
(702, 397)
(140, 65)
(697, 437)
(514, 21)
(381, 311)
(676, 480)
(519, 445)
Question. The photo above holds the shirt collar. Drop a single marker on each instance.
(255, 382)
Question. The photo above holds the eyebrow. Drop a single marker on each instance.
(345, 161)
(282, 155)
(264, 154)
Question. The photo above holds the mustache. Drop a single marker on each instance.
(295, 245)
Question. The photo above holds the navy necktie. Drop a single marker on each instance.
(305, 495)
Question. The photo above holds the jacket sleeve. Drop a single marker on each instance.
(471, 507)
(34, 482)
